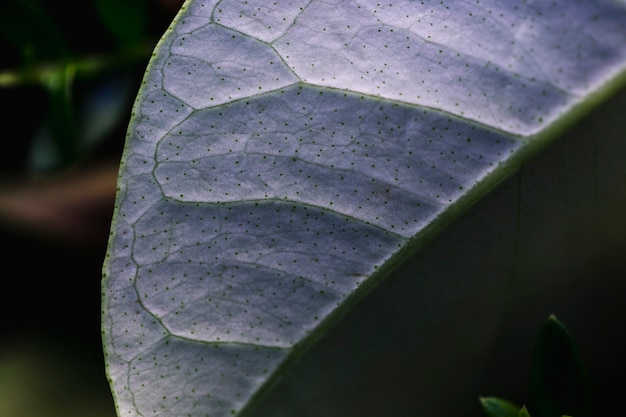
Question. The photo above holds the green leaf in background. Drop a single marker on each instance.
(28, 27)
(61, 119)
(497, 407)
(284, 158)
(127, 20)
(558, 380)
(102, 108)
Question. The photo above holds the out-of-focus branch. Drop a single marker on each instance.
(84, 67)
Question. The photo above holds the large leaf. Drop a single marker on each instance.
(283, 159)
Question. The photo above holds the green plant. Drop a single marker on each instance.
(55, 73)
(559, 385)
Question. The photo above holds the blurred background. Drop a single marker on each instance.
(69, 73)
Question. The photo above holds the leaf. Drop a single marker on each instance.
(498, 407)
(558, 380)
(61, 119)
(524, 412)
(283, 159)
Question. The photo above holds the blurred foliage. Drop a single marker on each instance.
(68, 78)
(69, 73)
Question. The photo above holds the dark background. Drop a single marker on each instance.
(54, 221)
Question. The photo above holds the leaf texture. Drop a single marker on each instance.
(283, 157)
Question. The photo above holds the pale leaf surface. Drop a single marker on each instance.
(281, 158)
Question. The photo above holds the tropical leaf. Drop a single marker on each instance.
(284, 158)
